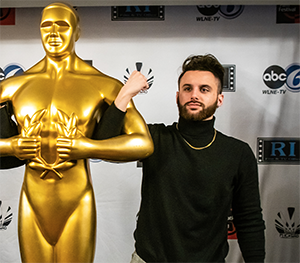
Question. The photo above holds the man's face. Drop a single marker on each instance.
(59, 32)
(198, 96)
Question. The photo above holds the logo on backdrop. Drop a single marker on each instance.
(11, 70)
(5, 218)
(278, 150)
(231, 230)
(7, 16)
(147, 72)
(138, 13)
(95, 160)
(213, 13)
(288, 14)
(229, 78)
(275, 78)
(286, 224)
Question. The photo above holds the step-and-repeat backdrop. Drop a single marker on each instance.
(258, 45)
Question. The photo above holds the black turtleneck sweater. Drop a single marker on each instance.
(187, 194)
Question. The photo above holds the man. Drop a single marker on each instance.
(194, 177)
(56, 104)
(8, 128)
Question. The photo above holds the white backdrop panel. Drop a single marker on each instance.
(253, 42)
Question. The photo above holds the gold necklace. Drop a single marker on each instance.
(198, 148)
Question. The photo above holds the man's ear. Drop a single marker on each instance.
(220, 100)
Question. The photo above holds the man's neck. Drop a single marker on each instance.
(196, 127)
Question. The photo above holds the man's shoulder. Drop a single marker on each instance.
(230, 138)
(160, 128)
(232, 142)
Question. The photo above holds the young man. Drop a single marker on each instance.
(195, 176)
(8, 128)
(57, 104)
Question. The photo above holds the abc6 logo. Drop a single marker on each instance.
(275, 77)
(11, 70)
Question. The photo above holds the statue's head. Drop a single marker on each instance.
(59, 29)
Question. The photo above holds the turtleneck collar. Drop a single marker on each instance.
(196, 128)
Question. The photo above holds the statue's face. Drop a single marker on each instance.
(59, 32)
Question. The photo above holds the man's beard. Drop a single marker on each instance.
(199, 115)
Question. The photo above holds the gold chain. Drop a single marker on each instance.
(199, 148)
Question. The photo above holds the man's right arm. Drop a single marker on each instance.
(111, 123)
(112, 120)
(8, 128)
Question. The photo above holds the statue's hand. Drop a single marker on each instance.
(72, 148)
(26, 147)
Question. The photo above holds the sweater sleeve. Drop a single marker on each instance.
(111, 123)
(246, 209)
(8, 128)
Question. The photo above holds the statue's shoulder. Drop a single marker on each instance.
(37, 68)
(100, 78)
(83, 67)
(9, 86)
(14, 80)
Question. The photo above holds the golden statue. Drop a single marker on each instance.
(57, 104)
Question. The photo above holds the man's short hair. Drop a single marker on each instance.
(206, 62)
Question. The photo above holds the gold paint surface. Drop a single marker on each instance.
(56, 104)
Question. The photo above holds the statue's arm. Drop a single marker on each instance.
(11, 143)
(133, 144)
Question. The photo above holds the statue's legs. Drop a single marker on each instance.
(33, 246)
(78, 240)
(76, 243)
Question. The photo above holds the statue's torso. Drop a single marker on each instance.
(49, 108)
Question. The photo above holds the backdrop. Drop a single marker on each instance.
(259, 45)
